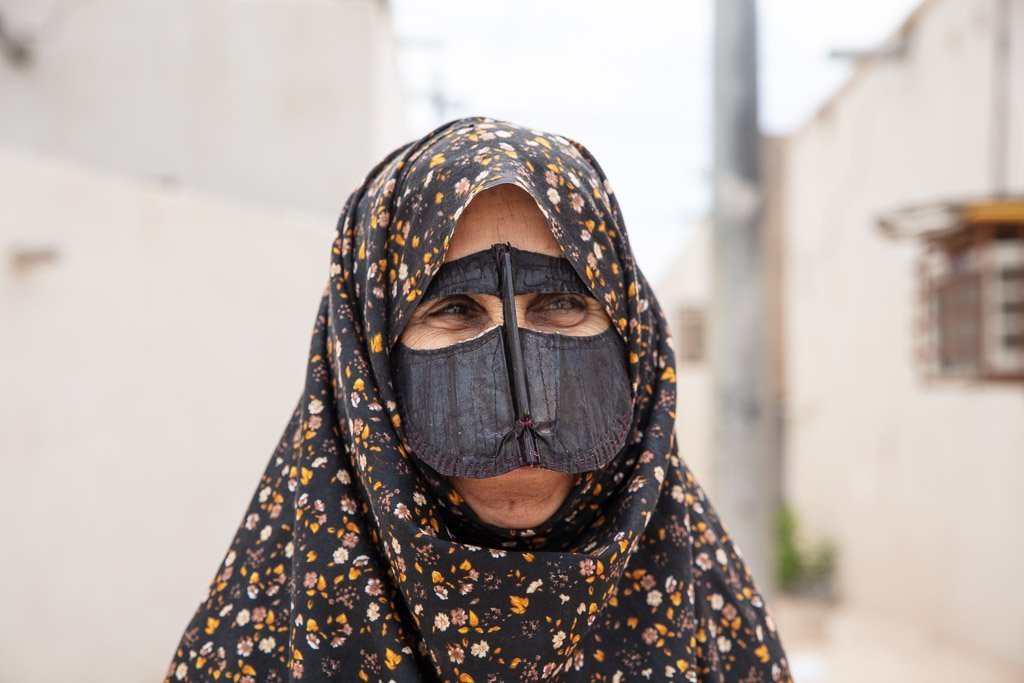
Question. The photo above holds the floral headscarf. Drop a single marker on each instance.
(355, 562)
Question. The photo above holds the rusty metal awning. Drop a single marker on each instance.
(940, 220)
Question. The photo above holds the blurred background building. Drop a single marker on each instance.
(269, 101)
(171, 172)
(170, 178)
(895, 224)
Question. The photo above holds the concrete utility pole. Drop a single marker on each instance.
(1002, 86)
(746, 448)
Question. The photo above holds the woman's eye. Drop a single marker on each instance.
(566, 303)
(560, 302)
(557, 311)
(452, 309)
(455, 308)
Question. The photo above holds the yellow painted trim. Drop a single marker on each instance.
(994, 211)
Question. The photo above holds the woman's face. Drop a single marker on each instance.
(527, 496)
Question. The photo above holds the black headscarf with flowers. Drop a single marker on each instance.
(356, 562)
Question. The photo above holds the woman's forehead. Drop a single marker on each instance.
(503, 213)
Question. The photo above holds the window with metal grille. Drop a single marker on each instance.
(973, 294)
(690, 337)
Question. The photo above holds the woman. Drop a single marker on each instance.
(480, 481)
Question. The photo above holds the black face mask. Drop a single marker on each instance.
(513, 397)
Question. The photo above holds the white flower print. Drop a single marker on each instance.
(677, 494)
(442, 622)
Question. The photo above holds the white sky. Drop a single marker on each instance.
(631, 81)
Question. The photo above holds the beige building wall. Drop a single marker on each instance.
(919, 483)
(148, 366)
(171, 173)
(283, 102)
(686, 284)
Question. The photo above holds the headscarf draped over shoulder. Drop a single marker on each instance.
(355, 563)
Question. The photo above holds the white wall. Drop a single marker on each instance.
(279, 101)
(147, 372)
(149, 369)
(687, 283)
(919, 483)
